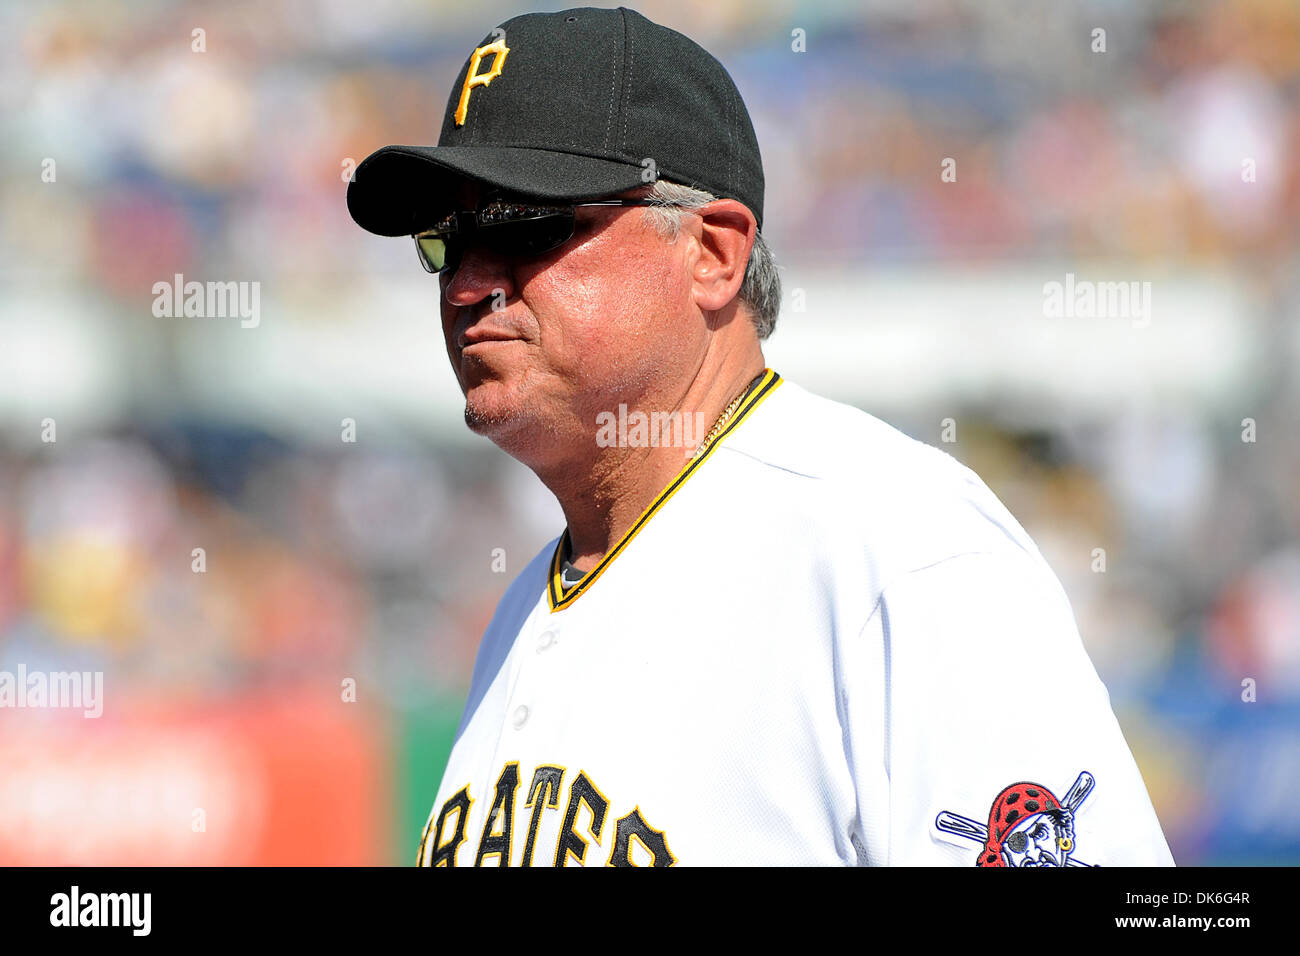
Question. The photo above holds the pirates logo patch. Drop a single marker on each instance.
(1028, 825)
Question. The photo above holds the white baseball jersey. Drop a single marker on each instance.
(823, 643)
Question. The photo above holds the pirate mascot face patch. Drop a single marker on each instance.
(1028, 826)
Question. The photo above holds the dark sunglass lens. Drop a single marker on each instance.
(528, 237)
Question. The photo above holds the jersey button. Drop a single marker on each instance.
(545, 640)
(520, 716)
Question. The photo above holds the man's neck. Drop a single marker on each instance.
(603, 497)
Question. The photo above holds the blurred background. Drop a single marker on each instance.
(1171, 444)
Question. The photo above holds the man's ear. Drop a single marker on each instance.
(727, 231)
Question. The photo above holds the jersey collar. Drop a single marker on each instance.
(557, 597)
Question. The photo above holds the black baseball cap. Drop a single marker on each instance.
(574, 105)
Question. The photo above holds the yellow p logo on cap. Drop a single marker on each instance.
(473, 78)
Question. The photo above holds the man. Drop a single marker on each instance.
(775, 630)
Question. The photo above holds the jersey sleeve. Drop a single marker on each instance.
(1000, 747)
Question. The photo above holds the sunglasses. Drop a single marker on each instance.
(509, 228)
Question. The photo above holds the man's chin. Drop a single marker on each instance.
(493, 412)
(488, 405)
(489, 420)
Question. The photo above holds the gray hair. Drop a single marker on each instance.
(760, 292)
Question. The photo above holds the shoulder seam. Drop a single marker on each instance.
(900, 575)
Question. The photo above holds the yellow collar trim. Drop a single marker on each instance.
(555, 594)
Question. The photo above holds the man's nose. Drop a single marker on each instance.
(481, 274)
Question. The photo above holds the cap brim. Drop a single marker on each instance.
(402, 190)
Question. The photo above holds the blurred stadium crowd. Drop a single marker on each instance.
(327, 561)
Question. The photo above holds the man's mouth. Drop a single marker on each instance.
(484, 334)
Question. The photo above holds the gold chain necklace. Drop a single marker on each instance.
(722, 420)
